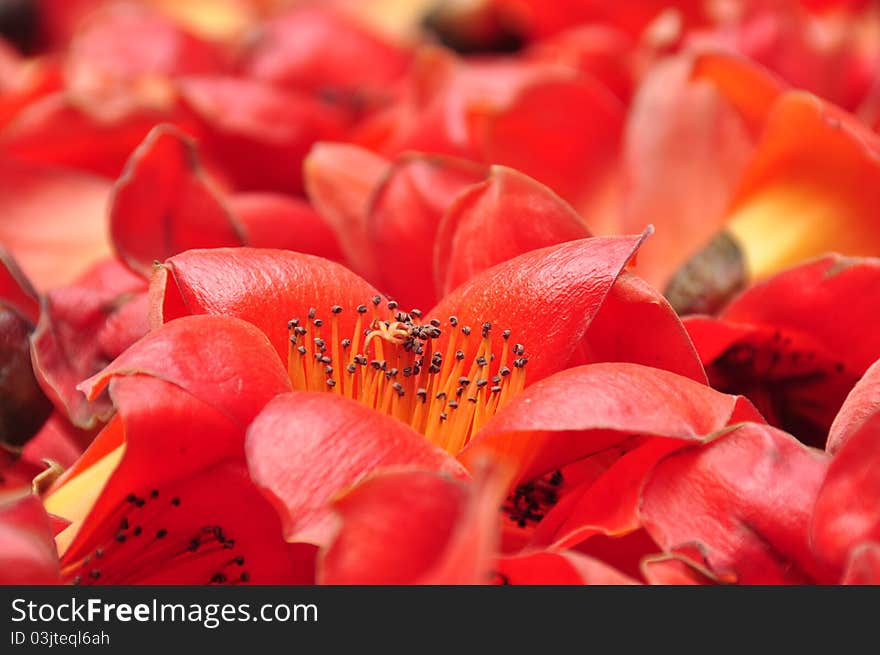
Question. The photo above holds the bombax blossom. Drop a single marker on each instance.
(188, 392)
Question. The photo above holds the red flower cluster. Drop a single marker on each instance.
(387, 292)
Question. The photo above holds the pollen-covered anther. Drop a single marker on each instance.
(399, 363)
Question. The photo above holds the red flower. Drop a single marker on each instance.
(845, 527)
(796, 344)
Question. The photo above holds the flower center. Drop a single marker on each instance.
(396, 363)
(135, 543)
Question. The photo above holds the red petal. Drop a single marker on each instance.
(80, 133)
(221, 496)
(547, 297)
(684, 149)
(862, 404)
(59, 441)
(791, 205)
(257, 134)
(751, 89)
(264, 287)
(507, 215)
(571, 148)
(541, 19)
(124, 43)
(795, 344)
(81, 329)
(747, 498)
(304, 448)
(830, 299)
(558, 568)
(222, 360)
(473, 545)
(184, 395)
(636, 324)
(673, 569)
(52, 220)
(543, 429)
(609, 506)
(845, 514)
(273, 220)
(340, 180)
(28, 556)
(315, 48)
(863, 567)
(163, 205)
(404, 217)
(384, 540)
(16, 290)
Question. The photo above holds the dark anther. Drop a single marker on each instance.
(300, 330)
(361, 309)
(518, 349)
(194, 544)
(312, 312)
(154, 493)
(486, 327)
(495, 389)
(482, 383)
(301, 350)
(120, 537)
(244, 577)
(218, 578)
(123, 524)
(435, 323)
(94, 574)
(452, 404)
(482, 361)
(292, 323)
(175, 501)
(137, 531)
(336, 309)
(442, 416)
(351, 368)
(318, 322)
(377, 300)
(459, 355)
(392, 305)
(504, 371)
(161, 533)
(139, 502)
(328, 370)
(453, 321)
(331, 382)
(239, 559)
(465, 330)
(463, 381)
(326, 360)
(416, 312)
(346, 343)
(506, 335)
